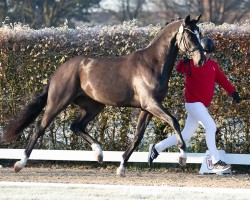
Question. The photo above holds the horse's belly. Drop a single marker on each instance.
(113, 97)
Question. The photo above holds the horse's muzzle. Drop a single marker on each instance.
(198, 58)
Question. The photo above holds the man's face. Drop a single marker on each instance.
(207, 55)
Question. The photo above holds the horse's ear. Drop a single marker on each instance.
(187, 20)
(198, 18)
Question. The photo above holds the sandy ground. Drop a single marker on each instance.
(75, 175)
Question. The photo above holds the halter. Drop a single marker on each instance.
(196, 33)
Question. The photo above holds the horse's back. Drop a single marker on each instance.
(107, 80)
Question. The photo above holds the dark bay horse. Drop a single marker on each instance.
(138, 80)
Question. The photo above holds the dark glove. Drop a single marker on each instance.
(186, 59)
(236, 97)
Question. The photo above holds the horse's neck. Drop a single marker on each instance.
(169, 59)
(163, 50)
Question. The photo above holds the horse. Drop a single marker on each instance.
(139, 80)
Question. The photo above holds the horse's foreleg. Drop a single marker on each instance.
(159, 111)
(142, 123)
(181, 143)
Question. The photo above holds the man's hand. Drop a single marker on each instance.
(236, 97)
(186, 59)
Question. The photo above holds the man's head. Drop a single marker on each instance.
(208, 45)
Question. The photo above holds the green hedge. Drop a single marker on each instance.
(29, 57)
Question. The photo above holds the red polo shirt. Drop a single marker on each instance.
(200, 81)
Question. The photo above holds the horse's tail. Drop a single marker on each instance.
(26, 116)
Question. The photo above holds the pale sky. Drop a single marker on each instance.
(114, 5)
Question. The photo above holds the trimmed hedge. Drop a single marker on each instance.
(29, 57)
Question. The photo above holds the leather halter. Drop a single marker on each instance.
(189, 50)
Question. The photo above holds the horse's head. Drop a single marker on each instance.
(189, 40)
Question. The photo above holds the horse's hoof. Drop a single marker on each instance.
(17, 166)
(100, 158)
(98, 152)
(120, 171)
(182, 161)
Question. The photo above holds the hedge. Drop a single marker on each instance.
(29, 57)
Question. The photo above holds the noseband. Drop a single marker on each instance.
(196, 33)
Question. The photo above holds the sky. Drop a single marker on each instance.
(114, 5)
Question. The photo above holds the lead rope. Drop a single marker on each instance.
(187, 64)
(189, 69)
(186, 47)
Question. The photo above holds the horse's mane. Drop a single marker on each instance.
(167, 24)
(172, 21)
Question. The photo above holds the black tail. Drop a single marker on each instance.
(26, 116)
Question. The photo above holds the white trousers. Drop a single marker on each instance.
(197, 114)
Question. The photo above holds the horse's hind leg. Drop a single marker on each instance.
(56, 102)
(89, 110)
(49, 114)
(142, 123)
(39, 131)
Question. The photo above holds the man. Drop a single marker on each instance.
(199, 90)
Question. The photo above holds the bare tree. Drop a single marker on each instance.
(216, 11)
(3, 10)
(127, 9)
(48, 13)
(171, 8)
(225, 10)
